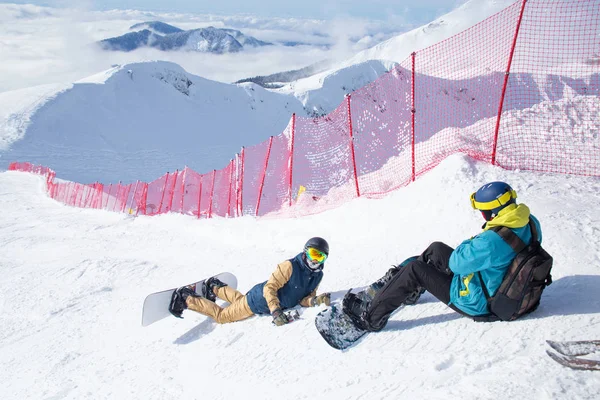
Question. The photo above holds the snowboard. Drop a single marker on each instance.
(337, 328)
(156, 305)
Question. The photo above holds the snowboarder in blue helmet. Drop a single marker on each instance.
(294, 282)
(458, 277)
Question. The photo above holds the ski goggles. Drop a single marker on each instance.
(316, 255)
(490, 205)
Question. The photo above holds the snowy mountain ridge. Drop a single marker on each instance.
(166, 37)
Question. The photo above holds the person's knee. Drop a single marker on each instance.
(435, 247)
(219, 319)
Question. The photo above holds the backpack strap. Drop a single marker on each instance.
(514, 242)
(512, 239)
(534, 232)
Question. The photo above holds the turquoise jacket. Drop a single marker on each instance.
(489, 254)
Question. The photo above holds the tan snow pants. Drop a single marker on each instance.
(237, 309)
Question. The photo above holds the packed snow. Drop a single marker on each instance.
(74, 281)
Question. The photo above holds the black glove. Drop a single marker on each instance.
(323, 298)
(279, 317)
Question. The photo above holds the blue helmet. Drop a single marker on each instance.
(493, 197)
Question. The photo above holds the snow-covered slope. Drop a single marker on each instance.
(359, 68)
(151, 115)
(74, 280)
(399, 48)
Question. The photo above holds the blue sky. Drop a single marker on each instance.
(419, 12)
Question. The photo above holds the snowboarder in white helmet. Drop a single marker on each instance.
(458, 277)
(294, 282)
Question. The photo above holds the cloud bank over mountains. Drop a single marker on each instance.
(43, 45)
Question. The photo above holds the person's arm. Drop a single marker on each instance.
(313, 300)
(276, 281)
(308, 301)
(476, 254)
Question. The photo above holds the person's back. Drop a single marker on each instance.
(453, 275)
(490, 255)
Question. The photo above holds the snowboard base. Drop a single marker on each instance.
(156, 305)
(337, 328)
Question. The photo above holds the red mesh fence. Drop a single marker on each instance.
(381, 115)
(557, 52)
(276, 186)
(519, 90)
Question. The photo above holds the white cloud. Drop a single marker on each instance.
(40, 45)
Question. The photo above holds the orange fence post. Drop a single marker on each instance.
(506, 75)
(230, 188)
(413, 111)
(262, 181)
(352, 145)
(291, 159)
(212, 190)
(173, 190)
(241, 187)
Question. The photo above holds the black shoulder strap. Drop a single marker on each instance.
(513, 240)
(534, 232)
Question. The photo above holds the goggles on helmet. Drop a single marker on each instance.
(490, 205)
(316, 255)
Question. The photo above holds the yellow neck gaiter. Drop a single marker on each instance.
(511, 216)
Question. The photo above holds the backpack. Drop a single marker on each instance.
(525, 280)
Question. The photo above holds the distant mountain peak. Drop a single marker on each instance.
(167, 37)
(156, 27)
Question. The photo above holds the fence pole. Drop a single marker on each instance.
(90, 195)
(163, 194)
(262, 181)
(126, 197)
(506, 75)
(173, 190)
(99, 195)
(352, 145)
(70, 200)
(212, 192)
(119, 196)
(241, 187)
(130, 208)
(105, 206)
(413, 111)
(183, 189)
(144, 200)
(230, 188)
(291, 159)
(200, 195)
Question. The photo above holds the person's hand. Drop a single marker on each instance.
(279, 317)
(324, 298)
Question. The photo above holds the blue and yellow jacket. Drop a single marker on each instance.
(292, 283)
(489, 254)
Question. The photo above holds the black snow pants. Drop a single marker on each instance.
(429, 271)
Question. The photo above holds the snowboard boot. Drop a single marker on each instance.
(379, 283)
(178, 298)
(208, 288)
(355, 308)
